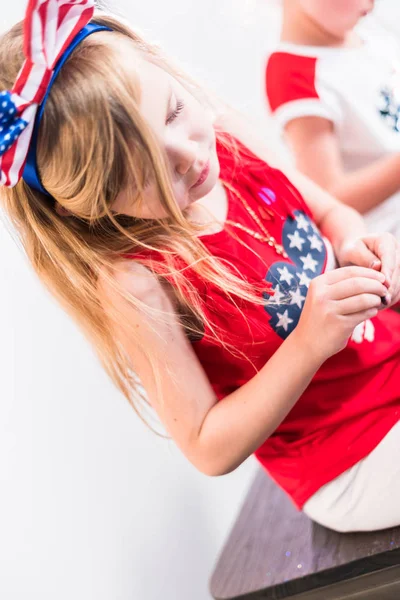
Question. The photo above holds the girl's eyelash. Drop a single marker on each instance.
(172, 116)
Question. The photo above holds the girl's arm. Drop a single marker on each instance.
(316, 148)
(217, 436)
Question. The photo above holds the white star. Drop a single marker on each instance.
(296, 241)
(277, 297)
(284, 320)
(303, 279)
(302, 222)
(316, 242)
(297, 298)
(358, 334)
(369, 333)
(309, 263)
(285, 275)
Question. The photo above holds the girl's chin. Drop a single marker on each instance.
(206, 187)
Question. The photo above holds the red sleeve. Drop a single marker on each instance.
(290, 77)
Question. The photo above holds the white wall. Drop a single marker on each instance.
(92, 505)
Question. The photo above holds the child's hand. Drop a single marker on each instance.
(379, 252)
(336, 303)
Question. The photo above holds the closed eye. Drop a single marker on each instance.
(173, 115)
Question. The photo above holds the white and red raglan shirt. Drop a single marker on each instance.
(357, 89)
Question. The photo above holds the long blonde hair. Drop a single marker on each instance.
(92, 143)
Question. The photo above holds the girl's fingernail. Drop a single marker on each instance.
(375, 264)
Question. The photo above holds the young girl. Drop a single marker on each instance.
(191, 262)
(334, 90)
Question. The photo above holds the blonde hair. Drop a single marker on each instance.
(92, 143)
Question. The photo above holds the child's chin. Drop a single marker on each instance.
(204, 189)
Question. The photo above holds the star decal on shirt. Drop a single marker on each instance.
(284, 320)
(316, 242)
(364, 331)
(309, 264)
(297, 297)
(296, 241)
(278, 295)
(303, 279)
(302, 221)
(284, 275)
(290, 279)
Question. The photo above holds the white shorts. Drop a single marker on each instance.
(367, 496)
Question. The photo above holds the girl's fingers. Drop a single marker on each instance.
(386, 249)
(359, 304)
(355, 286)
(362, 316)
(359, 254)
(344, 273)
(395, 287)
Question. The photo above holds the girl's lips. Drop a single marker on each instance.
(203, 175)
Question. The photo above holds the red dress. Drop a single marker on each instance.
(354, 399)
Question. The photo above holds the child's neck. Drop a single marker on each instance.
(299, 28)
(211, 211)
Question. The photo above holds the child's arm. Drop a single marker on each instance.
(217, 436)
(316, 149)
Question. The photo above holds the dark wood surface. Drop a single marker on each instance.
(276, 552)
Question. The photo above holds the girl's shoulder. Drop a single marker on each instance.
(130, 281)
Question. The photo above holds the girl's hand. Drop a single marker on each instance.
(336, 303)
(379, 252)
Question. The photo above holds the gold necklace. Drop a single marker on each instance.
(265, 236)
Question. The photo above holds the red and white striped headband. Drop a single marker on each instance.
(50, 28)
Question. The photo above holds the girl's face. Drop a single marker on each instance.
(185, 133)
(337, 17)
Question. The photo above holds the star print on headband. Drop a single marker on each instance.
(11, 124)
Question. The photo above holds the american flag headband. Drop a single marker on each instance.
(31, 172)
(52, 31)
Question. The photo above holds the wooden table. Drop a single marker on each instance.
(275, 552)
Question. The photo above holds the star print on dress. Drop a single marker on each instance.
(290, 279)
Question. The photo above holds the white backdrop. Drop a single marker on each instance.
(92, 505)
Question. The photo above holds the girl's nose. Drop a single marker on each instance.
(183, 156)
